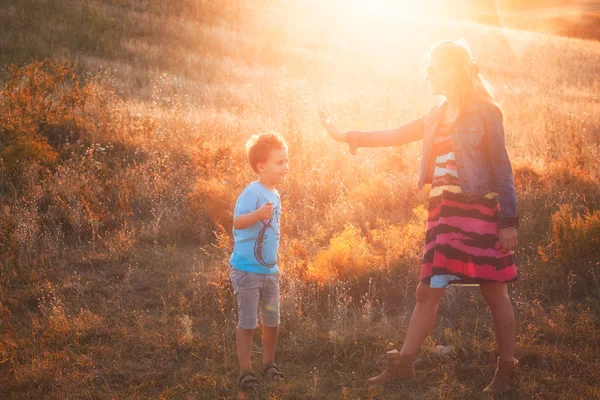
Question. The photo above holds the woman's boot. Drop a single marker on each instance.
(503, 378)
(398, 368)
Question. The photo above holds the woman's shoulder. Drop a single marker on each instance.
(437, 108)
(434, 112)
(488, 109)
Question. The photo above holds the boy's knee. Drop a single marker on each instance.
(246, 328)
(247, 325)
(270, 321)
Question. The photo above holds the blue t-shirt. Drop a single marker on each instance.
(255, 248)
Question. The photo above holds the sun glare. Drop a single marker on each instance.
(383, 9)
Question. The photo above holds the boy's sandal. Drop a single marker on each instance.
(247, 380)
(272, 371)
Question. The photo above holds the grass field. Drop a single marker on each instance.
(122, 158)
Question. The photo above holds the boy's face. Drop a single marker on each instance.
(274, 170)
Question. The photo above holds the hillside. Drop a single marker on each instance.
(119, 175)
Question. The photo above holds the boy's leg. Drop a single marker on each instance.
(246, 288)
(243, 345)
(269, 311)
(269, 339)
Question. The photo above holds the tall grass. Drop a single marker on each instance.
(118, 186)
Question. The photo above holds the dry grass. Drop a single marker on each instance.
(115, 212)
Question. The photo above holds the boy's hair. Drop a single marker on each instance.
(260, 145)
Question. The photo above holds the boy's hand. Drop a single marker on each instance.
(265, 211)
(333, 131)
(260, 214)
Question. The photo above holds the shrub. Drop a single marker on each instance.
(575, 248)
(36, 98)
(213, 200)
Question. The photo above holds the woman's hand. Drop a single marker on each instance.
(333, 131)
(508, 238)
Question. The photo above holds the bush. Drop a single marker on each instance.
(575, 248)
(76, 168)
(213, 200)
(46, 111)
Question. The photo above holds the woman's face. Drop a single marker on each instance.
(437, 76)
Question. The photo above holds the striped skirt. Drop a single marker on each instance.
(462, 245)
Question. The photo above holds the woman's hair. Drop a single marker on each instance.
(462, 72)
(260, 145)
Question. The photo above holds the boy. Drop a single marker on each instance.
(254, 270)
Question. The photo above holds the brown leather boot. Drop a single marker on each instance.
(398, 368)
(503, 377)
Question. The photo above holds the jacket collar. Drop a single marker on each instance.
(438, 110)
(433, 118)
(471, 106)
(435, 115)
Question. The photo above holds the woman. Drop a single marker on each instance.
(472, 218)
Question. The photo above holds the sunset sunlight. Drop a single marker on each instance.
(383, 9)
(299, 199)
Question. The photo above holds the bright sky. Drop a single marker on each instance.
(405, 9)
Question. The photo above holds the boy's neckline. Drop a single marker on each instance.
(274, 190)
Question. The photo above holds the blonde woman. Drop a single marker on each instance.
(472, 217)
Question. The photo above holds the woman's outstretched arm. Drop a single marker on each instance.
(403, 134)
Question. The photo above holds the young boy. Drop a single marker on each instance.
(254, 269)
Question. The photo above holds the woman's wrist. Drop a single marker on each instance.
(334, 131)
(337, 134)
(508, 222)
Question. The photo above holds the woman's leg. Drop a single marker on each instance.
(503, 318)
(422, 319)
(399, 365)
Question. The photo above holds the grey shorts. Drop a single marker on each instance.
(253, 292)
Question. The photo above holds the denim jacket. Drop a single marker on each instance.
(478, 144)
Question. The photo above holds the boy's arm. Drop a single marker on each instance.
(243, 221)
